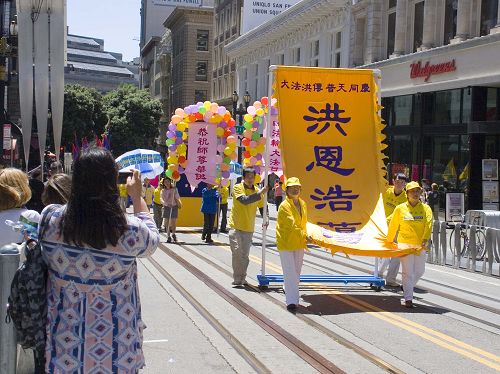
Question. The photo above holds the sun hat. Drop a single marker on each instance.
(412, 185)
(292, 181)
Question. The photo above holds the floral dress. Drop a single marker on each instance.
(94, 312)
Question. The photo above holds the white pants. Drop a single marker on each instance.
(413, 268)
(392, 272)
(291, 263)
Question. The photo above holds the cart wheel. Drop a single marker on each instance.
(378, 288)
(263, 287)
(371, 285)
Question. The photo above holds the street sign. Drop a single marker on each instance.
(240, 129)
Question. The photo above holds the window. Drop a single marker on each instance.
(391, 27)
(202, 40)
(402, 110)
(280, 59)
(157, 87)
(418, 25)
(200, 96)
(447, 107)
(450, 20)
(314, 53)
(296, 55)
(489, 12)
(335, 49)
(201, 70)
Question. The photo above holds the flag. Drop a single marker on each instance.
(450, 173)
(464, 175)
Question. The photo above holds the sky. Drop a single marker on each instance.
(118, 22)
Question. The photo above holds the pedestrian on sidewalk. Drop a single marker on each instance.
(291, 239)
(224, 195)
(278, 193)
(392, 197)
(246, 199)
(148, 192)
(157, 207)
(171, 201)
(412, 221)
(209, 201)
(433, 200)
(57, 190)
(91, 245)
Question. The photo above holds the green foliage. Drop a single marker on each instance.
(134, 118)
(84, 115)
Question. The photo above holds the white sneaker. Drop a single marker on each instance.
(392, 283)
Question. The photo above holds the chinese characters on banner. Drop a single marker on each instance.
(202, 148)
(331, 138)
(275, 152)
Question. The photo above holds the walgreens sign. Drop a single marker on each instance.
(417, 70)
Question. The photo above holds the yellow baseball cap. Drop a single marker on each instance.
(412, 185)
(292, 181)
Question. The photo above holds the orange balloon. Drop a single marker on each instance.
(227, 133)
(181, 159)
(231, 122)
(247, 154)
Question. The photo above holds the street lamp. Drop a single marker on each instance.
(241, 111)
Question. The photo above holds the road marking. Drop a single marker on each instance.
(156, 341)
(461, 276)
(426, 333)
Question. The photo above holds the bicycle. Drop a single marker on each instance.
(465, 250)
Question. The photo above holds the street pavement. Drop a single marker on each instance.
(455, 326)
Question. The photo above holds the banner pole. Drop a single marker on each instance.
(377, 75)
(272, 68)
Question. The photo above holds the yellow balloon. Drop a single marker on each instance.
(181, 148)
(184, 135)
(231, 145)
(253, 151)
(260, 112)
(257, 178)
(172, 160)
(219, 131)
(248, 118)
(227, 151)
(181, 126)
(207, 104)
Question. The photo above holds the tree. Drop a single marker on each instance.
(83, 114)
(134, 118)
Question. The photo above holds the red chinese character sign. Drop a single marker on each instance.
(274, 148)
(331, 138)
(219, 143)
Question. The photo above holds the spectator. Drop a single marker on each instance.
(92, 294)
(36, 186)
(209, 201)
(147, 192)
(55, 168)
(224, 195)
(171, 201)
(412, 221)
(123, 197)
(14, 194)
(291, 239)
(157, 214)
(57, 190)
(246, 199)
(278, 193)
(433, 200)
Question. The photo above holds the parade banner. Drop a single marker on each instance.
(331, 138)
(274, 148)
(202, 148)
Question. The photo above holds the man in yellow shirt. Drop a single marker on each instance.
(413, 223)
(123, 196)
(157, 206)
(246, 199)
(393, 196)
(224, 195)
(147, 192)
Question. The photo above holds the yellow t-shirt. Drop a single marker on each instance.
(391, 201)
(147, 194)
(413, 222)
(122, 189)
(156, 195)
(291, 232)
(224, 194)
(242, 216)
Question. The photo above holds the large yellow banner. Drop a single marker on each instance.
(331, 138)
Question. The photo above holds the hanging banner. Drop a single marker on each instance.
(331, 138)
(202, 149)
(275, 152)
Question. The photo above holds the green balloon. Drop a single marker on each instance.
(255, 135)
(247, 125)
(170, 141)
(202, 110)
(168, 173)
(227, 160)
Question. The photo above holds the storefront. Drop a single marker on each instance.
(441, 110)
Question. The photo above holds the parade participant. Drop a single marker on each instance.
(171, 201)
(209, 200)
(123, 196)
(57, 190)
(291, 239)
(92, 289)
(246, 199)
(393, 196)
(412, 221)
(157, 207)
(278, 193)
(224, 195)
(14, 194)
(147, 192)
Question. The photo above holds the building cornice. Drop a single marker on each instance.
(151, 42)
(303, 20)
(180, 12)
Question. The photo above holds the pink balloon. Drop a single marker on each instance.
(251, 110)
(225, 182)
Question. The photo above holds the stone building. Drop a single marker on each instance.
(191, 33)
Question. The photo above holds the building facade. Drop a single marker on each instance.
(311, 33)
(191, 32)
(441, 92)
(88, 64)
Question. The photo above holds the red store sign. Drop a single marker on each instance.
(419, 71)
